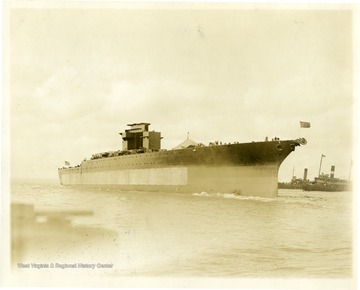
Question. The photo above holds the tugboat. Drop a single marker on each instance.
(328, 183)
(295, 183)
(324, 182)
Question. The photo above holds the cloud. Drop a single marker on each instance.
(66, 95)
(133, 101)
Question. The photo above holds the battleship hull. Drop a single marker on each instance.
(246, 169)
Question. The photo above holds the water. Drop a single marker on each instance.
(146, 234)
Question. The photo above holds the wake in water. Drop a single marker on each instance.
(306, 199)
(234, 196)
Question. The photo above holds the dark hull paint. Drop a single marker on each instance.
(246, 154)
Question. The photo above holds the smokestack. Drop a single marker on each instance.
(305, 174)
(332, 173)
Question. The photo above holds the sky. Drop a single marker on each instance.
(78, 76)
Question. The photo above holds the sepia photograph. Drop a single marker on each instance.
(179, 145)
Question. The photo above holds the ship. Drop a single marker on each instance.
(324, 182)
(249, 169)
(295, 183)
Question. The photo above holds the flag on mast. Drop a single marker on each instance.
(304, 124)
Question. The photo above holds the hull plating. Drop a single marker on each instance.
(253, 180)
(246, 169)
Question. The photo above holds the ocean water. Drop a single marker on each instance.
(154, 234)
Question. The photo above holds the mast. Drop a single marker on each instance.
(322, 155)
(351, 163)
